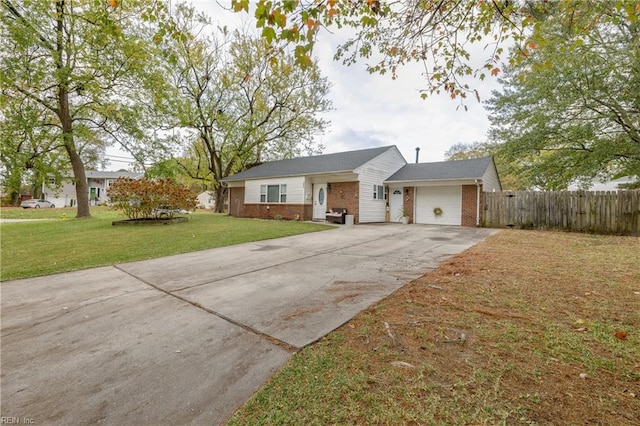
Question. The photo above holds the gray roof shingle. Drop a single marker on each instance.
(457, 169)
(317, 164)
(96, 174)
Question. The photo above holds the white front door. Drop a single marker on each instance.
(319, 200)
(395, 204)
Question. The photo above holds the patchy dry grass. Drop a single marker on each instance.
(525, 328)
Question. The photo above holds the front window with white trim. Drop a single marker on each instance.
(378, 192)
(273, 193)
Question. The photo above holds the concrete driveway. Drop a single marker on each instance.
(189, 338)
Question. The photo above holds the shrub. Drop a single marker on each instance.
(147, 198)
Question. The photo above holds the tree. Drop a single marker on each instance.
(29, 150)
(437, 33)
(571, 111)
(509, 177)
(75, 68)
(238, 101)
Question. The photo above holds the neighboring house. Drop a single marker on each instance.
(372, 184)
(97, 183)
(598, 185)
(206, 200)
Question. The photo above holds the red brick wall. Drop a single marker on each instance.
(238, 208)
(469, 199)
(280, 211)
(236, 202)
(407, 197)
(345, 195)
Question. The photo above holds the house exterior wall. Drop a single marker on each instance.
(236, 201)
(344, 195)
(490, 180)
(296, 189)
(375, 172)
(409, 202)
(238, 208)
(469, 204)
(65, 195)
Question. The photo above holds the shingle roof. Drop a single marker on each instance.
(457, 169)
(317, 164)
(95, 174)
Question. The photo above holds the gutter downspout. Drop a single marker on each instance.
(477, 203)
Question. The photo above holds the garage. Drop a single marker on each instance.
(439, 205)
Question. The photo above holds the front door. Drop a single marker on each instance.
(395, 204)
(319, 201)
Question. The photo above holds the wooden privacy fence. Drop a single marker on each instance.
(602, 212)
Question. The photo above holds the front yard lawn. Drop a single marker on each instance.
(61, 244)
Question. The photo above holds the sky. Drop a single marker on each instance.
(371, 110)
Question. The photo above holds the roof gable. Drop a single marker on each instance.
(457, 169)
(317, 164)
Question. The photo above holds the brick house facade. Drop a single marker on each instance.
(374, 185)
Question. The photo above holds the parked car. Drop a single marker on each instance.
(36, 204)
(168, 212)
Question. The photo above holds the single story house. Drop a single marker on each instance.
(64, 193)
(206, 200)
(373, 185)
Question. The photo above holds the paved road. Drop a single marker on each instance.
(187, 339)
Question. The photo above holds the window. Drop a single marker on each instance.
(273, 193)
(378, 192)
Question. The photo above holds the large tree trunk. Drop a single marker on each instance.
(66, 122)
(82, 190)
(80, 177)
(221, 195)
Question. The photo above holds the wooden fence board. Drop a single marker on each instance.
(602, 212)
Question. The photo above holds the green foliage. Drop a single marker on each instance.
(571, 111)
(237, 102)
(439, 34)
(510, 177)
(74, 75)
(146, 198)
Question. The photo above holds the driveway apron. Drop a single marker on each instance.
(187, 339)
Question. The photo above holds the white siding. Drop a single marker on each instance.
(295, 189)
(375, 172)
(447, 198)
(490, 180)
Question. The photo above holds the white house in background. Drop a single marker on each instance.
(597, 185)
(373, 185)
(98, 182)
(206, 200)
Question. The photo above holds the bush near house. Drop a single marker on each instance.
(147, 198)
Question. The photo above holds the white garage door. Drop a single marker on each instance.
(447, 198)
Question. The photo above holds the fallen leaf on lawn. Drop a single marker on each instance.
(402, 364)
(584, 376)
(352, 325)
(582, 329)
(621, 335)
(580, 321)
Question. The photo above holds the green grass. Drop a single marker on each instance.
(44, 247)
